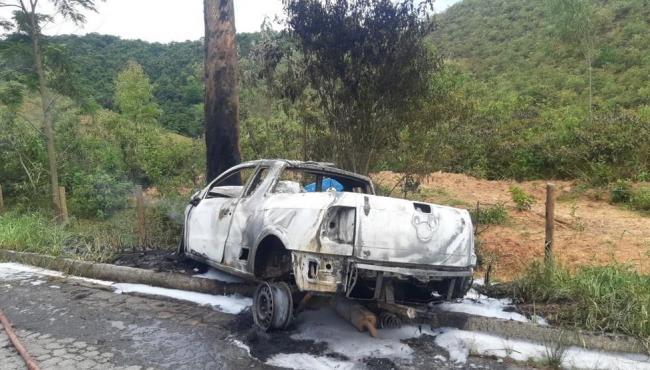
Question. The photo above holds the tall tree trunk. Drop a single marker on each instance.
(46, 102)
(221, 90)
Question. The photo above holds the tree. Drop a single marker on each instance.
(368, 65)
(134, 96)
(221, 88)
(574, 22)
(28, 20)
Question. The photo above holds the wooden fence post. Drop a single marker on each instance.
(142, 230)
(2, 200)
(63, 206)
(550, 217)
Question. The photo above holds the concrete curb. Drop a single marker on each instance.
(123, 274)
(533, 332)
(435, 318)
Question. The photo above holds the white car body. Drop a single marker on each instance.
(326, 241)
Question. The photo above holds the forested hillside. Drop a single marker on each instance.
(512, 100)
(511, 43)
(175, 70)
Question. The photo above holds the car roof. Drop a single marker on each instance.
(313, 165)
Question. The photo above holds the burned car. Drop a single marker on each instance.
(305, 228)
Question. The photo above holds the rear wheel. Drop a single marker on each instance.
(272, 306)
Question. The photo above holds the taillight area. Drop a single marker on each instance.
(339, 225)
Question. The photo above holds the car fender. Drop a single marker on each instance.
(270, 230)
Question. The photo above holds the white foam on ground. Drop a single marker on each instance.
(242, 345)
(325, 326)
(307, 361)
(228, 304)
(214, 274)
(478, 304)
(460, 344)
(18, 271)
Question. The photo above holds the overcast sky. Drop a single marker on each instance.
(170, 20)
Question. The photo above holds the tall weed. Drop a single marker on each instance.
(607, 298)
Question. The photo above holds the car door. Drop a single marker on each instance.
(245, 219)
(208, 222)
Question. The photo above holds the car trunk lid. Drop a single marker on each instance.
(406, 232)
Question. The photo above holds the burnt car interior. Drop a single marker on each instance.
(228, 188)
(300, 180)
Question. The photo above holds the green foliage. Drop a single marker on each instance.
(367, 63)
(98, 194)
(610, 298)
(133, 95)
(621, 192)
(523, 201)
(641, 199)
(490, 215)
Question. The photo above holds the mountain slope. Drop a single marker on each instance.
(512, 44)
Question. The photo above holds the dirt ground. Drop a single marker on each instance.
(588, 230)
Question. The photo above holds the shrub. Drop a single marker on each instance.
(621, 192)
(98, 194)
(490, 215)
(523, 201)
(641, 199)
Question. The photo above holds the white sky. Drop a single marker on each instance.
(169, 20)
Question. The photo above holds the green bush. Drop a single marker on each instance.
(641, 199)
(621, 192)
(523, 201)
(98, 194)
(607, 298)
(490, 215)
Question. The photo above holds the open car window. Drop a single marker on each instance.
(298, 180)
(231, 186)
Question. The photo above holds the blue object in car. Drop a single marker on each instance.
(327, 183)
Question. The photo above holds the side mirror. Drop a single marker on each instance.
(195, 201)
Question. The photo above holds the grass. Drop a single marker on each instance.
(640, 199)
(612, 298)
(91, 239)
(31, 232)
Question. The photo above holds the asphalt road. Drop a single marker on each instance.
(67, 324)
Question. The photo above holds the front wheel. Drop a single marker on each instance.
(272, 306)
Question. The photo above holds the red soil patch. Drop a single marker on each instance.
(588, 231)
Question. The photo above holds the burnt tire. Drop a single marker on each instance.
(272, 306)
(461, 287)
